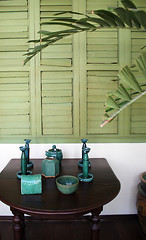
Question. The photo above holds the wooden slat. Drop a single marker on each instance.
(56, 54)
(57, 109)
(13, 29)
(56, 8)
(14, 125)
(13, 15)
(14, 35)
(14, 106)
(56, 75)
(56, 86)
(15, 132)
(14, 119)
(102, 60)
(13, 3)
(65, 93)
(20, 22)
(10, 112)
(58, 125)
(13, 9)
(47, 119)
(57, 131)
(55, 81)
(100, 47)
(56, 62)
(56, 2)
(57, 100)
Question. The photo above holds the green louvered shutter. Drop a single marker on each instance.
(138, 109)
(59, 95)
(58, 105)
(100, 69)
(14, 77)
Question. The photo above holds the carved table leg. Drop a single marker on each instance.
(18, 224)
(95, 225)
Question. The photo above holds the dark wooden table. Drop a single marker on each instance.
(51, 204)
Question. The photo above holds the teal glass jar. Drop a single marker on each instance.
(55, 153)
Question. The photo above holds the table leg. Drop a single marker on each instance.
(95, 224)
(18, 224)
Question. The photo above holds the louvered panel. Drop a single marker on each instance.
(102, 44)
(138, 112)
(138, 116)
(138, 37)
(138, 42)
(60, 54)
(93, 4)
(102, 48)
(57, 103)
(13, 32)
(14, 103)
(99, 82)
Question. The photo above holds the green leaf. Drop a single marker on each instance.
(122, 93)
(141, 16)
(110, 102)
(136, 23)
(100, 21)
(75, 21)
(124, 15)
(141, 63)
(106, 15)
(64, 24)
(114, 17)
(126, 76)
(57, 32)
(64, 12)
(128, 4)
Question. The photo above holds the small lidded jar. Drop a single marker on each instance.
(55, 152)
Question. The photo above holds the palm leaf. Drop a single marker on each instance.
(128, 4)
(126, 96)
(118, 17)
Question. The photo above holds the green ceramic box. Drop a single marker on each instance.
(31, 184)
(50, 167)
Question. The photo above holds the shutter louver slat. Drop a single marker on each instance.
(138, 109)
(57, 103)
(102, 52)
(14, 85)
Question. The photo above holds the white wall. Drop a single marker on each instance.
(126, 160)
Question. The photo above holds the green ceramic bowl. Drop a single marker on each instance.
(67, 184)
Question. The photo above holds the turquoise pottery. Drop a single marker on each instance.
(67, 184)
(24, 170)
(31, 184)
(85, 176)
(55, 152)
(50, 167)
(27, 151)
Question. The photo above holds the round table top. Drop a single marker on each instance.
(88, 197)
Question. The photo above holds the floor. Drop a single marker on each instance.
(112, 228)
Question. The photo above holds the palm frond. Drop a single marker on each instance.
(127, 16)
(124, 96)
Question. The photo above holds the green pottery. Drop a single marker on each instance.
(67, 184)
(24, 170)
(31, 184)
(27, 151)
(50, 167)
(55, 152)
(85, 176)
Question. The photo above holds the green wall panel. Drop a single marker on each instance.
(59, 95)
